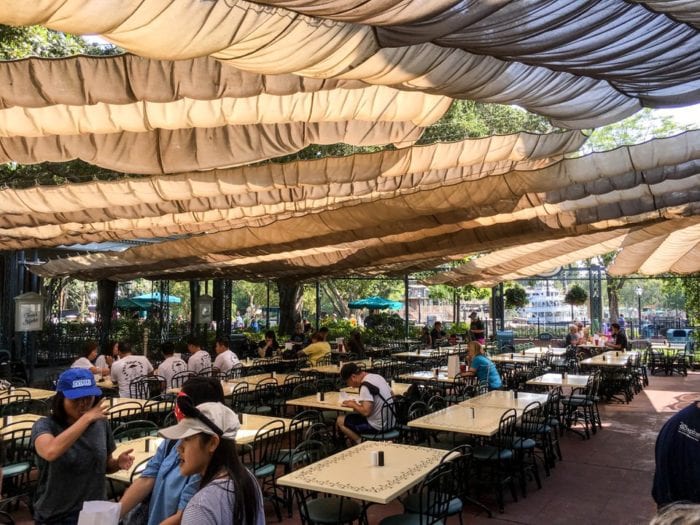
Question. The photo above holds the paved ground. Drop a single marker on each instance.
(606, 479)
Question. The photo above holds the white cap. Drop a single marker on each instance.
(222, 416)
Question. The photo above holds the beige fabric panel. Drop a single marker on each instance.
(175, 151)
(127, 78)
(374, 103)
(410, 167)
(672, 252)
(268, 40)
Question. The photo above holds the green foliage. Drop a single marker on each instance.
(576, 296)
(691, 290)
(26, 41)
(467, 118)
(516, 297)
(640, 127)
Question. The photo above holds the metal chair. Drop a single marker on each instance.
(135, 429)
(265, 450)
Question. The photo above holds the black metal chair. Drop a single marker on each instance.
(265, 451)
(434, 495)
(525, 443)
(494, 460)
(19, 461)
(124, 412)
(389, 430)
(138, 428)
(181, 378)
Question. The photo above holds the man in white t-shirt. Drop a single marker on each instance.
(367, 410)
(225, 358)
(128, 368)
(88, 357)
(171, 365)
(199, 359)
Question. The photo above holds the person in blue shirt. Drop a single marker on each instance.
(482, 367)
(161, 479)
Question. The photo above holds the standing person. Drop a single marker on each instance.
(268, 346)
(317, 350)
(238, 324)
(171, 365)
(621, 322)
(199, 359)
(677, 475)
(225, 360)
(482, 367)
(619, 339)
(128, 368)
(75, 450)
(367, 410)
(437, 334)
(88, 357)
(169, 490)
(324, 332)
(476, 328)
(228, 492)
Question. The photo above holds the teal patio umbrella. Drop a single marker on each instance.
(376, 303)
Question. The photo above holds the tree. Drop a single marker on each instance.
(516, 297)
(576, 296)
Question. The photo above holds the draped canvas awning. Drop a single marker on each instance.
(145, 116)
(192, 203)
(581, 63)
(666, 246)
(393, 231)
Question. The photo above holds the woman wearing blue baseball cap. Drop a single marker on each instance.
(74, 448)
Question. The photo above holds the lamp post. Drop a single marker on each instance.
(639, 291)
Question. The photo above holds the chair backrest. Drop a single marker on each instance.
(138, 428)
(157, 408)
(531, 419)
(16, 438)
(461, 459)
(8, 398)
(6, 518)
(122, 412)
(233, 373)
(436, 403)
(240, 396)
(25, 406)
(181, 378)
(436, 491)
(208, 372)
(506, 430)
(138, 469)
(267, 443)
(139, 388)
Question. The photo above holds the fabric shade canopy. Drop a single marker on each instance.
(144, 116)
(376, 303)
(581, 63)
(537, 258)
(193, 203)
(395, 232)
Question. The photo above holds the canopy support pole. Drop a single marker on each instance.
(405, 298)
(267, 310)
(318, 304)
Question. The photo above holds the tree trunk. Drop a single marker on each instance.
(106, 294)
(340, 306)
(614, 286)
(291, 293)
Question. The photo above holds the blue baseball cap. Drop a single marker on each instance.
(77, 382)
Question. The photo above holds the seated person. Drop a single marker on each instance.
(482, 367)
(269, 346)
(299, 337)
(171, 365)
(128, 368)
(317, 350)
(437, 334)
(572, 338)
(366, 417)
(619, 339)
(355, 344)
(87, 359)
(226, 359)
(425, 338)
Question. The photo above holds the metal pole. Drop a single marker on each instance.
(318, 304)
(267, 311)
(405, 298)
(639, 313)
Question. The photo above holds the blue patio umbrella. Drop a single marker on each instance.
(376, 303)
